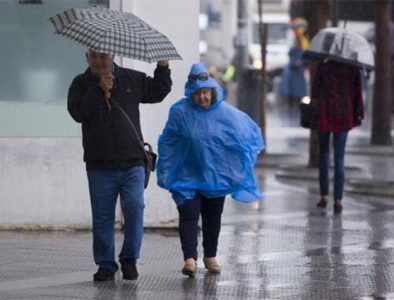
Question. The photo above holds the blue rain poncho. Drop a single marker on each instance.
(208, 151)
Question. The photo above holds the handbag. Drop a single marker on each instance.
(305, 112)
(150, 157)
(149, 162)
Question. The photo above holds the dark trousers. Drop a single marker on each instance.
(211, 214)
(339, 163)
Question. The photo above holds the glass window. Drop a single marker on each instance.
(277, 33)
(37, 68)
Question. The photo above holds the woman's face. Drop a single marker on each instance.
(203, 98)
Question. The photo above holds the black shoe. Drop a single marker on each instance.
(337, 207)
(103, 274)
(322, 203)
(129, 270)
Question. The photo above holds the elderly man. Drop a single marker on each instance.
(114, 159)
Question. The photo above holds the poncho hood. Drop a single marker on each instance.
(192, 86)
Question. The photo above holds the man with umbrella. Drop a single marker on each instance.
(105, 99)
(114, 159)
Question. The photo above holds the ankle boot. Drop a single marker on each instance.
(337, 207)
(322, 203)
(211, 265)
(190, 267)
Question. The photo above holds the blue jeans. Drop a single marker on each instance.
(339, 163)
(211, 215)
(104, 188)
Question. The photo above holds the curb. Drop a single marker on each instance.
(356, 180)
(371, 187)
(276, 160)
(370, 150)
(302, 172)
(288, 166)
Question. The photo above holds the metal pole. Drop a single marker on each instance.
(334, 13)
(241, 43)
(263, 30)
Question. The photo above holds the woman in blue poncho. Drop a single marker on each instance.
(207, 150)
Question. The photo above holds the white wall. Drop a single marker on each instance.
(43, 180)
(178, 20)
(43, 184)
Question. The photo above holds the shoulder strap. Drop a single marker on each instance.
(140, 142)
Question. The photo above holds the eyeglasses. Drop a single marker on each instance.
(202, 76)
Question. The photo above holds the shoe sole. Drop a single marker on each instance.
(130, 277)
(213, 271)
(108, 278)
(189, 273)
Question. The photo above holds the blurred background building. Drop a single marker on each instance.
(218, 32)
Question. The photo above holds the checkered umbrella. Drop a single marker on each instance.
(114, 32)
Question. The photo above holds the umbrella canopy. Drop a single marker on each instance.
(342, 46)
(114, 32)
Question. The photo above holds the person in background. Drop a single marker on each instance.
(207, 150)
(293, 84)
(114, 159)
(338, 108)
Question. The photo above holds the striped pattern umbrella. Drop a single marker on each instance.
(108, 31)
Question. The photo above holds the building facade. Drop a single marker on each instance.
(42, 175)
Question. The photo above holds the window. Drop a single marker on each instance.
(277, 33)
(37, 68)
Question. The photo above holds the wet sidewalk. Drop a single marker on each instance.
(281, 248)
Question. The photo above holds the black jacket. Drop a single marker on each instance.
(109, 142)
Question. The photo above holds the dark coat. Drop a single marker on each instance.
(293, 82)
(109, 142)
(338, 104)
